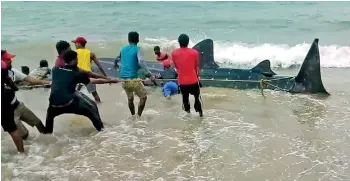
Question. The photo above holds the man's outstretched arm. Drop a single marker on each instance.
(93, 75)
(97, 62)
(142, 62)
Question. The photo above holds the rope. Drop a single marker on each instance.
(263, 83)
(227, 80)
(26, 87)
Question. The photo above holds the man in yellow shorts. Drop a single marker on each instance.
(131, 60)
(85, 56)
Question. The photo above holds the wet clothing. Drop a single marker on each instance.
(80, 105)
(9, 102)
(194, 90)
(134, 87)
(21, 112)
(131, 59)
(64, 82)
(170, 88)
(7, 118)
(163, 56)
(130, 55)
(84, 63)
(41, 73)
(186, 63)
(59, 61)
(84, 59)
(64, 99)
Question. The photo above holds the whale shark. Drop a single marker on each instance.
(307, 81)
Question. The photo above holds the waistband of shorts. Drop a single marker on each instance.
(63, 105)
(129, 78)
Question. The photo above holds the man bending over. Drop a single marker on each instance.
(64, 99)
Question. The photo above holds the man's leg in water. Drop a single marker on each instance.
(92, 89)
(195, 91)
(185, 98)
(83, 107)
(9, 125)
(198, 104)
(17, 139)
(141, 92)
(30, 118)
(86, 98)
(130, 96)
(52, 112)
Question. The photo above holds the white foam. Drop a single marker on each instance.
(280, 55)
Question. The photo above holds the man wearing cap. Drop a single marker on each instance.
(170, 87)
(8, 106)
(85, 56)
(131, 60)
(186, 62)
(62, 47)
(22, 113)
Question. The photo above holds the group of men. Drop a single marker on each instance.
(73, 68)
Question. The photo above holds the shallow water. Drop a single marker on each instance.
(243, 136)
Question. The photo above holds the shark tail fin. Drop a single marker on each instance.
(205, 49)
(309, 75)
(264, 68)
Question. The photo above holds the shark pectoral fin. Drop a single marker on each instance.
(264, 68)
(309, 75)
(205, 50)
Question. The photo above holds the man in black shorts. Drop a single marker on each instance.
(9, 103)
(64, 99)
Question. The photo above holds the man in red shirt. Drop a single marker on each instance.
(186, 61)
(161, 56)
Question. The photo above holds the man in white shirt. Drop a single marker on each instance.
(22, 113)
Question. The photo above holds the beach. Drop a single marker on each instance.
(243, 136)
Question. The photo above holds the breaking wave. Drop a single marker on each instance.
(280, 55)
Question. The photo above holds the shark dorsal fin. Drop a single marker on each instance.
(310, 72)
(264, 67)
(205, 49)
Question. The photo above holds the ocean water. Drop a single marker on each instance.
(244, 32)
(243, 136)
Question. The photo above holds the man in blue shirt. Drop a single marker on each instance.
(170, 88)
(131, 60)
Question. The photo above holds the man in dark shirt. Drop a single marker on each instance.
(64, 99)
(8, 106)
